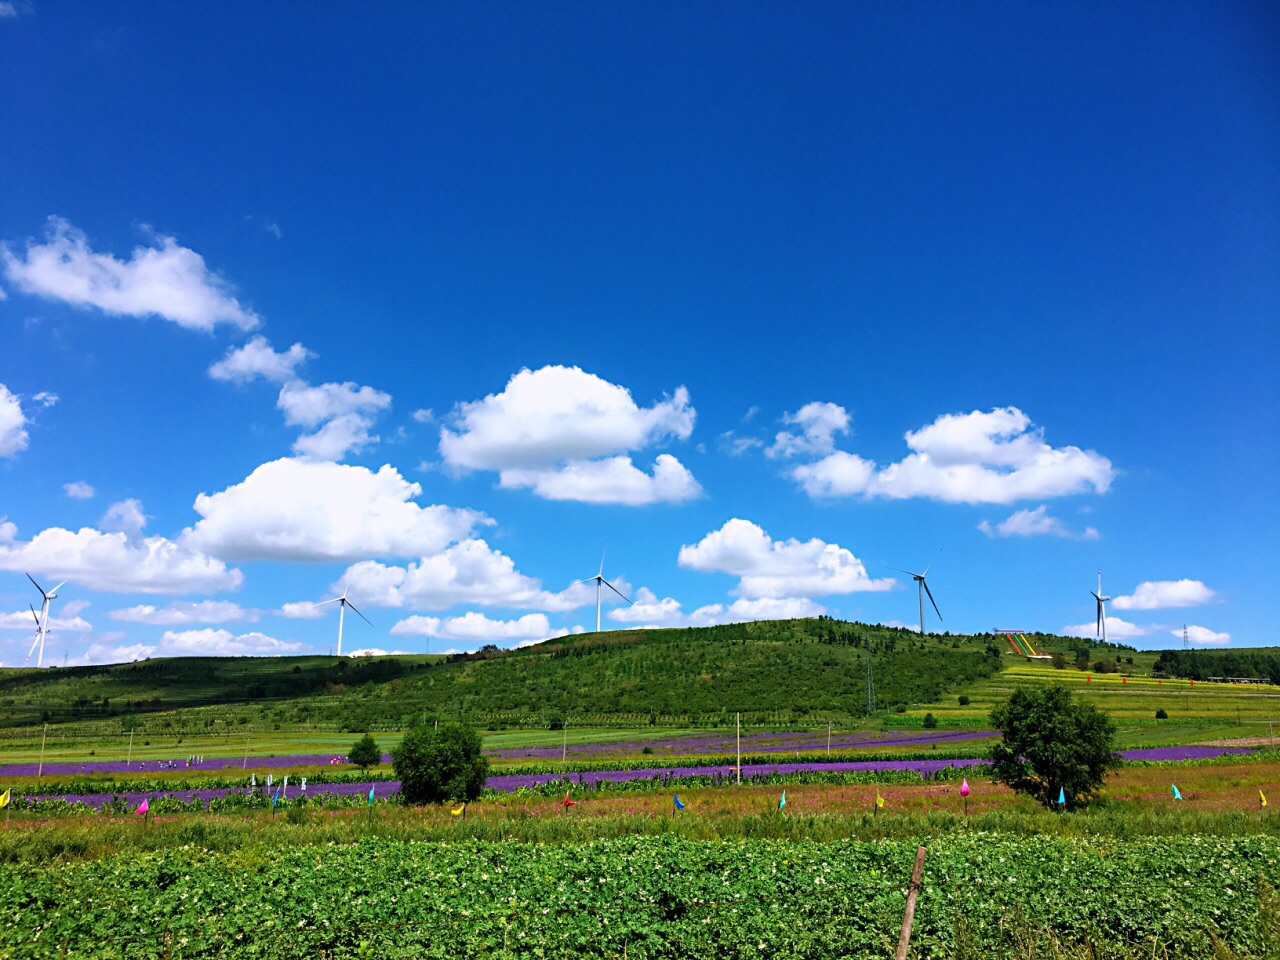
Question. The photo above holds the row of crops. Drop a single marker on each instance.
(648, 897)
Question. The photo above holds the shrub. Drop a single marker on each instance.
(930, 721)
(1052, 742)
(365, 753)
(435, 765)
(1162, 714)
(963, 700)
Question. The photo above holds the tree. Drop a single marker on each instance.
(435, 765)
(365, 753)
(1052, 742)
(930, 721)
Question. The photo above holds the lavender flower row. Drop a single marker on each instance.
(166, 766)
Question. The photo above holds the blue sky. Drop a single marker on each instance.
(440, 302)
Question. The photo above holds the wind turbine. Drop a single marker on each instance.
(42, 620)
(923, 588)
(1102, 610)
(599, 579)
(343, 603)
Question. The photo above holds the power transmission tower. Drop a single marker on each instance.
(1186, 641)
(871, 690)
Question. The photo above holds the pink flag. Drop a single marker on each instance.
(142, 807)
(964, 788)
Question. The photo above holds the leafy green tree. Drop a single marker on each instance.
(1052, 742)
(930, 721)
(435, 765)
(365, 753)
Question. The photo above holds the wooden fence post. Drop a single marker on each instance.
(913, 891)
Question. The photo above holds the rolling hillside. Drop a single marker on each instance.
(769, 670)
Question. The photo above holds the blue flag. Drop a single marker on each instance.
(276, 798)
(1062, 797)
(678, 802)
(1176, 794)
(371, 796)
(782, 801)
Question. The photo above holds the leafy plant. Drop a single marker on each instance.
(1053, 745)
(365, 753)
(439, 764)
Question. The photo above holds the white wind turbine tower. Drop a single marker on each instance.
(923, 588)
(42, 620)
(1102, 610)
(343, 603)
(599, 579)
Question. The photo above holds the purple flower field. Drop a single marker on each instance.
(168, 766)
(509, 783)
(806, 742)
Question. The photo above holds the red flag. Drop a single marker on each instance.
(566, 802)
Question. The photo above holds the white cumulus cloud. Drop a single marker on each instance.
(341, 414)
(117, 563)
(470, 572)
(79, 490)
(292, 509)
(1035, 523)
(185, 613)
(649, 611)
(566, 434)
(1164, 594)
(301, 611)
(1203, 636)
(223, 643)
(818, 423)
(13, 422)
(257, 359)
(165, 280)
(778, 569)
(475, 626)
(994, 457)
(1117, 629)
(124, 517)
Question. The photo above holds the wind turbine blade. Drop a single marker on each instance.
(907, 572)
(41, 589)
(601, 573)
(35, 616)
(590, 580)
(359, 614)
(924, 584)
(616, 590)
(323, 602)
(930, 566)
(58, 587)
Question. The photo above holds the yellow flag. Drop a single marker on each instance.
(458, 811)
(4, 799)
(879, 799)
(1260, 794)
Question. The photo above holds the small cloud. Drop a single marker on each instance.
(1035, 523)
(125, 517)
(1164, 594)
(270, 226)
(302, 611)
(1117, 629)
(7, 11)
(45, 398)
(79, 490)
(1204, 636)
(425, 415)
(734, 445)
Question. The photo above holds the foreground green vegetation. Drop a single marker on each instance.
(651, 896)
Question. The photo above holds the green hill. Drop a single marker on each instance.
(770, 671)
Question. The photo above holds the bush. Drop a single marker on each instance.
(365, 753)
(437, 765)
(1162, 714)
(963, 700)
(1052, 742)
(930, 721)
